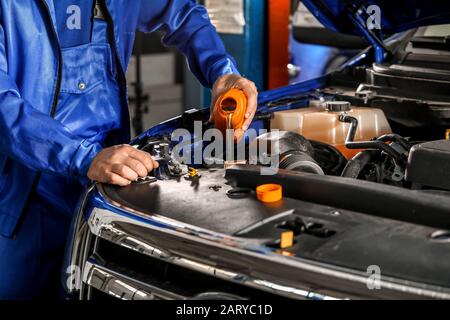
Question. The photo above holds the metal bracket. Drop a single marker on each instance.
(359, 18)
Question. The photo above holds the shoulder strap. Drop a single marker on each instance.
(98, 10)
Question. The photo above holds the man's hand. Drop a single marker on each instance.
(229, 81)
(121, 165)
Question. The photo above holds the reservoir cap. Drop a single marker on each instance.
(339, 106)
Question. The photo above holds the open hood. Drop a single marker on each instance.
(396, 15)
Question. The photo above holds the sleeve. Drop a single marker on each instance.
(34, 138)
(188, 27)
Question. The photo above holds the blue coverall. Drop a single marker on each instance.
(60, 106)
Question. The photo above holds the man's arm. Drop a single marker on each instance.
(188, 27)
(34, 138)
(41, 143)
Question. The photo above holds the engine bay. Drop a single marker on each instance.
(388, 124)
(335, 138)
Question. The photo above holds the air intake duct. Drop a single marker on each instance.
(294, 151)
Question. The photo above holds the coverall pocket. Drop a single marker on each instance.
(84, 67)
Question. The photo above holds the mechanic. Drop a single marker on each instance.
(64, 117)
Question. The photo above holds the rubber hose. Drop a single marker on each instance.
(356, 165)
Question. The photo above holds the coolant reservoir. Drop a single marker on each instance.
(322, 124)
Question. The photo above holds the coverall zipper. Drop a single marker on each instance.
(110, 21)
(60, 58)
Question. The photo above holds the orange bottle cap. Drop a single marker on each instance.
(269, 193)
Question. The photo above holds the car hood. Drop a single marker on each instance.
(396, 16)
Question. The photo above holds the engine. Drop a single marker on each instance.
(358, 143)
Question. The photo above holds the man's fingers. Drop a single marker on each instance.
(239, 134)
(247, 123)
(120, 165)
(155, 164)
(252, 97)
(125, 172)
(251, 92)
(251, 110)
(137, 167)
(116, 179)
(144, 158)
